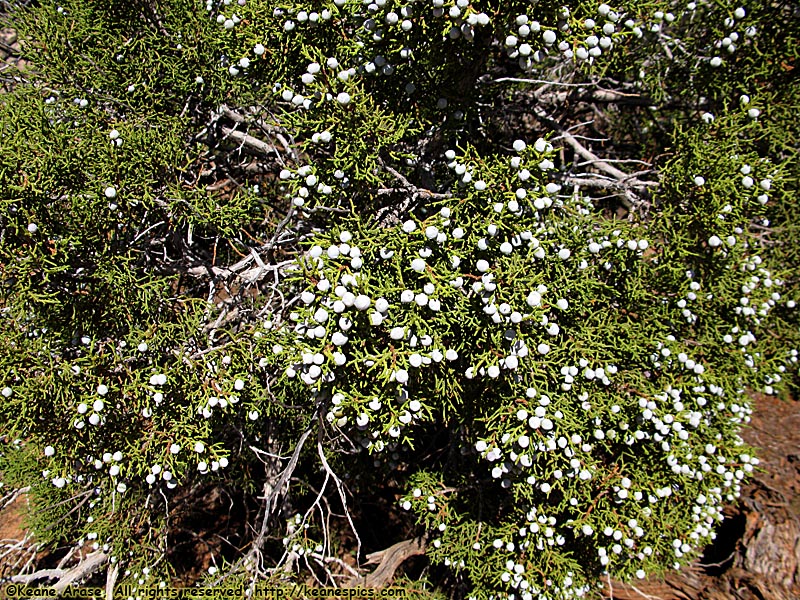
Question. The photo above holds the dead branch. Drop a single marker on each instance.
(65, 577)
(415, 191)
(272, 489)
(598, 95)
(275, 131)
(389, 215)
(12, 496)
(248, 141)
(250, 276)
(111, 580)
(604, 183)
(388, 561)
(588, 155)
(628, 183)
(337, 561)
(541, 81)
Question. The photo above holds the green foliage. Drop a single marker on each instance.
(499, 292)
(349, 258)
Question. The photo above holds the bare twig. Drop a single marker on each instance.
(272, 489)
(541, 81)
(338, 561)
(342, 497)
(11, 497)
(720, 563)
(390, 214)
(415, 191)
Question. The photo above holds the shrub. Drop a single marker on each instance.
(312, 258)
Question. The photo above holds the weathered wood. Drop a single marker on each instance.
(389, 560)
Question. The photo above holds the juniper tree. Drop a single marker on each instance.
(516, 265)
